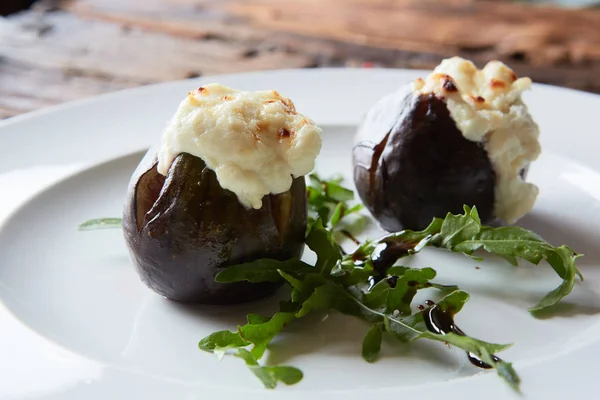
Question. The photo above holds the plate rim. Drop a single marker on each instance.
(477, 382)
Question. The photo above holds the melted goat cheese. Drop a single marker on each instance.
(255, 142)
(486, 106)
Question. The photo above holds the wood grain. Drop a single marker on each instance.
(87, 47)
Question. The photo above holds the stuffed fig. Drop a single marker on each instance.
(462, 136)
(225, 187)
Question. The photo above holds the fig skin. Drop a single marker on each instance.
(411, 164)
(184, 229)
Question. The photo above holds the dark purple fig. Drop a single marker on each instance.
(183, 229)
(412, 163)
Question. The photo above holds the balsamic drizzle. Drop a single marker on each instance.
(386, 254)
(437, 320)
(442, 322)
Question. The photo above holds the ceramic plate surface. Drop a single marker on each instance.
(77, 323)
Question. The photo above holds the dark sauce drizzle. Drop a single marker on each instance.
(441, 322)
(385, 256)
(350, 236)
(437, 321)
(387, 253)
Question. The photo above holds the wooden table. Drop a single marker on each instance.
(65, 50)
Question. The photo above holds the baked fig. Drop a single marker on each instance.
(461, 137)
(183, 227)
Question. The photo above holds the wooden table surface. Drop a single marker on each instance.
(65, 50)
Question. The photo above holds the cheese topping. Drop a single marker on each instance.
(486, 106)
(255, 142)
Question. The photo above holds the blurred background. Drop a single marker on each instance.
(52, 51)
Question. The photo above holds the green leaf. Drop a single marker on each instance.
(260, 335)
(444, 288)
(321, 241)
(101, 223)
(270, 376)
(328, 200)
(360, 255)
(553, 297)
(376, 297)
(335, 296)
(397, 270)
(453, 302)
(247, 357)
(221, 341)
(298, 287)
(388, 299)
(458, 228)
(413, 327)
(508, 373)
(354, 209)
(372, 343)
(338, 214)
(467, 343)
(504, 369)
(407, 242)
(401, 296)
(257, 319)
(513, 242)
(294, 282)
(322, 298)
(288, 306)
(323, 212)
(418, 239)
(262, 270)
(465, 234)
(355, 275)
(337, 192)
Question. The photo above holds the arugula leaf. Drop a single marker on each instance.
(262, 270)
(329, 201)
(295, 283)
(261, 334)
(338, 214)
(395, 294)
(471, 345)
(458, 228)
(221, 341)
(401, 296)
(414, 327)
(321, 241)
(321, 299)
(256, 319)
(371, 346)
(101, 223)
(331, 189)
(337, 192)
(258, 332)
(506, 372)
(270, 376)
(465, 234)
(427, 235)
(354, 209)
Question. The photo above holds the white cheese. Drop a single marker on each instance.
(255, 142)
(486, 106)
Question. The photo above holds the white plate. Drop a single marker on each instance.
(76, 322)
